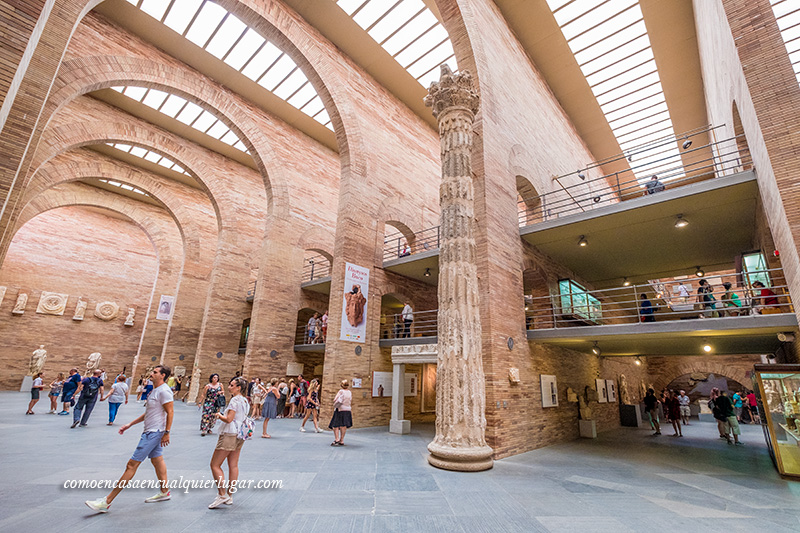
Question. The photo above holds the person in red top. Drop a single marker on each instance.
(753, 404)
(767, 300)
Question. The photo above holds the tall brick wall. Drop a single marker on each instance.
(54, 252)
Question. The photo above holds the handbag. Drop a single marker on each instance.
(246, 429)
(220, 402)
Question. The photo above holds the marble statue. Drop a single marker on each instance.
(37, 360)
(624, 397)
(93, 363)
(129, 318)
(583, 403)
(19, 307)
(355, 306)
(460, 439)
(2, 294)
(52, 303)
(80, 309)
(642, 390)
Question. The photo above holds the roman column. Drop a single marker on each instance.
(460, 392)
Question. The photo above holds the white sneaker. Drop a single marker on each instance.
(303, 429)
(229, 501)
(219, 500)
(160, 497)
(318, 430)
(97, 505)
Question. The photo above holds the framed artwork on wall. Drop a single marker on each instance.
(611, 389)
(549, 391)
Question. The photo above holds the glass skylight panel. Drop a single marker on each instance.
(190, 112)
(148, 155)
(153, 157)
(204, 121)
(407, 30)
(154, 98)
(225, 36)
(138, 151)
(229, 138)
(313, 107)
(610, 43)
(232, 29)
(303, 96)
(137, 93)
(787, 13)
(218, 130)
(173, 105)
(123, 186)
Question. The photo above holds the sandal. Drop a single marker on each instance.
(335, 443)
(265, 436)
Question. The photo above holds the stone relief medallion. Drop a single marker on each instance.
(106, 311)
(52, 303)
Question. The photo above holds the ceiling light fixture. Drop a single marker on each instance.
(681, 222)
(706, 347)
(581, 175)
(427, 272)
(596, 349)
(638, 361)
(699, 272)
(625, 282)
(596, 199)
(583, 241)
(687, 143)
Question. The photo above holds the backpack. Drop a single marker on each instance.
(94, 386)
(246, 429)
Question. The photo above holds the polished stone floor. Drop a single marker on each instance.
(623, 481)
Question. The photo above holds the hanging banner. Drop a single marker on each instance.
(354, 303)
(165, 307)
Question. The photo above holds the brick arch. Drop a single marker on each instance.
(319, 240)
(63, 169)
(699, 364)
(71, 136)
(87, 74)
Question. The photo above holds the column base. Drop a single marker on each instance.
(588, 428)
(27, 384)
(400, 427)
(472, 459)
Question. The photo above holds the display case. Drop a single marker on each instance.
(778, 390)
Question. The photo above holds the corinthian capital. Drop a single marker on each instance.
(452, 90)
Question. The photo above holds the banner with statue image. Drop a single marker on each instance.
(354, 303)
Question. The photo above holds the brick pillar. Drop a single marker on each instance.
(460, 442)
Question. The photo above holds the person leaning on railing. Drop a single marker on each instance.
(731, 301)
(766, 301)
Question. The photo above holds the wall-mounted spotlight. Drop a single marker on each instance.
(687, 143)
(785, 337)
(626, 283)
(582, 241)
(427, 272)
(681, 222)
(638, 361)
(596, 349)
(699, 272)
(630, 157)
(596, 199)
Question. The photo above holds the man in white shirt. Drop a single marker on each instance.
(157, 420)
(686, 412)
(408, 318)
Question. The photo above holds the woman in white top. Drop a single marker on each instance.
(55, 390)
(342, 417)
(36, 388)
(117, 395)
(229, 446)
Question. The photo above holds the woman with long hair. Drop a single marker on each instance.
(55, 390)
(342, 417)
(312, 406)
(229, 445)
(270, 410)
(213, 390)
(293, 397)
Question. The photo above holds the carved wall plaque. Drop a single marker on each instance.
(106, 311)
(19, 307)
(2, 294)
(80, 309)
(52, 303)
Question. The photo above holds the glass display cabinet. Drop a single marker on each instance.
(778, 390)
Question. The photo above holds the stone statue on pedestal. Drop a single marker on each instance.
(37, 360)
(93, 363)
(19, 307)
(583, 404)
(624, 397)
(129, 318)
(80, 309)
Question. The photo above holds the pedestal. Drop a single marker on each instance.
(400, 427)
(630, 416)
(27, 384)
(588, 429)
(397, 424)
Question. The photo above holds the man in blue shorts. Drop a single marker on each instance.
(70, 386)
(157, 420)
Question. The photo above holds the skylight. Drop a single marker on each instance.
(224, 36)
(184, 111)
(408, 31)
(153, 157)
(123, 186)
(610, 43)
(788, 14)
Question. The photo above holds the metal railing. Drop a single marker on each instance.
(316, 267)
(399, 245)
(423, 324)
(624, 305)
(726, 158)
